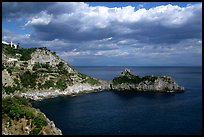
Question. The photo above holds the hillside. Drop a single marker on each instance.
(39, 69)
(35, 73)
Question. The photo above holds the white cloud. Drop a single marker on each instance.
(74, 53)
(111, 53)
(200, 41)
(40, 19)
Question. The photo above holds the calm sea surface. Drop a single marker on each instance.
(124, 113)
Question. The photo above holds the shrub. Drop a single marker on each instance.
(29, 114)
(60, 65)
(61, 84)
(9, 89)
(149, 78)
(39, 121)
(126, 79)
(46, 65)
(36, 66)
(26, 53)
(13, 107)
(48, 84)
(28, 79)
(91, 81)
(9, 69)
(35, 131)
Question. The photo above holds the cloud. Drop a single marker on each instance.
(41, 19)
(23, 9)
(79, 21)
(76, 30)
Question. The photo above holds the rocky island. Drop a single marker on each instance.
(38, 73)
(128, 81)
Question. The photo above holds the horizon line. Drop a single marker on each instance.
(132, 66)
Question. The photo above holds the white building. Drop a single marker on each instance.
(4, 42)
(11, 44)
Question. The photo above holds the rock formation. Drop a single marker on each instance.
(128, 81)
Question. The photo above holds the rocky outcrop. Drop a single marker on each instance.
(45, 56)
(128, 81)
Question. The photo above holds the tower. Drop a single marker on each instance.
(11, 43)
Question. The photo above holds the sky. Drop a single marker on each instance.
(109, 33)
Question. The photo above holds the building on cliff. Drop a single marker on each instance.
(10, 44)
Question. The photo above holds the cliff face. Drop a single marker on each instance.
(128, 81)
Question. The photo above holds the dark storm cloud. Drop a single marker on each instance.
(23, 9)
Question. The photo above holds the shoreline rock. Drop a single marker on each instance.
(71, 90)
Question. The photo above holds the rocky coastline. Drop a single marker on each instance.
(73, 90)
(150, 84)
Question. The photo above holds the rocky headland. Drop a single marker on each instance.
(38, 73)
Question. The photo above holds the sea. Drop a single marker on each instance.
(128, 112)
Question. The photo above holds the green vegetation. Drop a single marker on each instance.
(14, 107)
(48, 84)
(25, 53)
(9, 89)
(127, 79)
(17, 107)
(36, 66)
(10, 69)
(87, 79)
(61, 69)
(132, 79)
(91, 81)
(149, 78)
(28, 79)
(83, 76)
(39, 121)
(42, 67)
(61, 84)
(35, 131)
(60, 65)
(9, 50)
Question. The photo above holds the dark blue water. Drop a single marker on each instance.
(132, 113)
